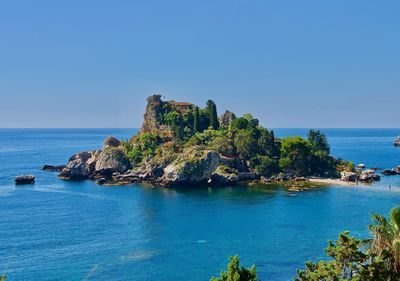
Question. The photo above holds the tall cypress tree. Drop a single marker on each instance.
(196, 120)
(212, 112)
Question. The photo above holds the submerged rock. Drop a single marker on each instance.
(391, 172)
(25, 179)
(265, 180)
(397, 141)
(51, 168)
(101, 181)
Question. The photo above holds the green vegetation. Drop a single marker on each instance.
(196, 120)
(386, 242)
(295, 153)
(236, 273)
(343, 165)
(142, 146)
(212, 112)
(251, 147)
(375, 259)
(265, 165)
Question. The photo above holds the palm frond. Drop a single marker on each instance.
(395, 218)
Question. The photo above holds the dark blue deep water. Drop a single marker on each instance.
(58, 230)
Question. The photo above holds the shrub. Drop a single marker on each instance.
(353, 259)
(295, 153)
(222, 144)
(345, 166)
(245, 144)
(265, 165)
(236, 273)
(266, 142)
(239, 124)
(134, 156)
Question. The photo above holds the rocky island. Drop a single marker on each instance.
(181, 143)
(397, 141)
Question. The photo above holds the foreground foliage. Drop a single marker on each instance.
(386, 242)
(236, 273)
(376, 259)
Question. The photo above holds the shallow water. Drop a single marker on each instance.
(59, 230)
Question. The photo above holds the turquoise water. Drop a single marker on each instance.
(58, 230)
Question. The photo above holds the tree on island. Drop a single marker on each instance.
(295, 152)
(196, 120)
(185, 129)
(236, 273)
(174, 119)
(318, 142)
(212, 111)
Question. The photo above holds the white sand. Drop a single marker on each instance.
(333, 181)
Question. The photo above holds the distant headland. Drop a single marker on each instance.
(181, 143)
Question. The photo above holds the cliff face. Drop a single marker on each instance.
(193, 165)
(152, 114)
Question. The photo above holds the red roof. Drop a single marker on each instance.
(182, 103)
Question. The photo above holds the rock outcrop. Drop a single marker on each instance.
(76, 169)
(224, 175)
(192, 166)
(397, 141)
(369, 176)
(391, 172)
(25, 179)
(51, 168)
(226, 119)
(97, 163)
(152, 114)
(111, 160)
(361, 166)
(349, 176)
(111, 142)
(364, 176)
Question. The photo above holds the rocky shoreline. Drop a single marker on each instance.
(109, 166)
(180, 143)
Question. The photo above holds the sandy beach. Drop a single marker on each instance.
(334, 181)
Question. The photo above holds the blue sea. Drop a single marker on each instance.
(60, 230)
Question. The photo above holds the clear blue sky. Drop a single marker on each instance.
(290, 63)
